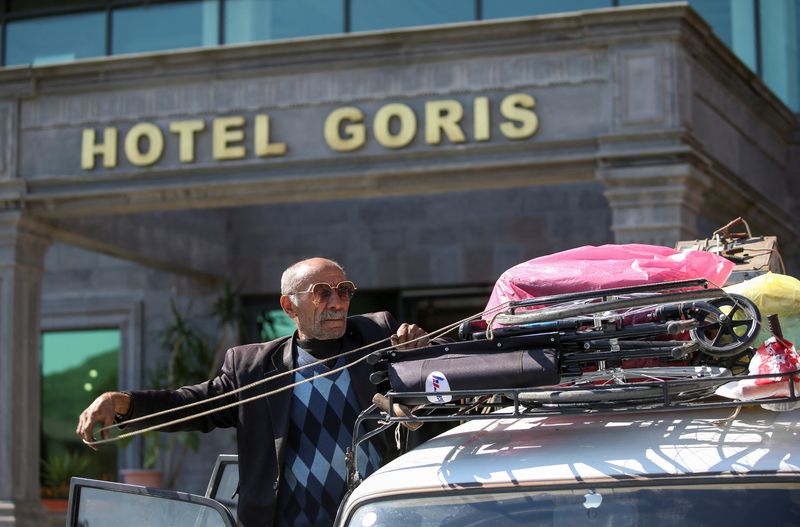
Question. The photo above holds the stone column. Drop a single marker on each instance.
(656, 204)
(23, 243)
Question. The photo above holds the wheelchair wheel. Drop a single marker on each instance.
(728, 330)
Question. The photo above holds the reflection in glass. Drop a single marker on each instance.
(512, 8)
(728, 503)
(99, 507)
(253, 20)
(226, 491)
(77, 366)
(743, 32)
(54, 39)
(274, 323)
(382, 14)
(779, 50)
(718, 13)
(733, 21)
(165, 26)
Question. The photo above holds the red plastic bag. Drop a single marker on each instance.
(775, 355)
(590, 268)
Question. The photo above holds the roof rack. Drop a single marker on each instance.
(469, 405)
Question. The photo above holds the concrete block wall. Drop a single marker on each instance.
(439, 240)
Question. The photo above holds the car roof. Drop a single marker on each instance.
(568, 449)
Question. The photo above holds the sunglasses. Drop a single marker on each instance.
(322, 291)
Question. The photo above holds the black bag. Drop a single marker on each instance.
(470, 366)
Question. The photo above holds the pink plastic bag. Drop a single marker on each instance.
(589, 268)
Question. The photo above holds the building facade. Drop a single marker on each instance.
(426, 160)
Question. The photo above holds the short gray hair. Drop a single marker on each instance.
(294, 275)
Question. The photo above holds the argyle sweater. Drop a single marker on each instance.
(322, 415)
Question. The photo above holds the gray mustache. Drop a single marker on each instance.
(332, 315)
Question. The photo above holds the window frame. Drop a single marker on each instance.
(124, 315)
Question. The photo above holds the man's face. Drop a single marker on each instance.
(324, 320)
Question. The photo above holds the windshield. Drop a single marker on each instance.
(772, 505)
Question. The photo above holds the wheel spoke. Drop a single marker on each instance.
(740, 326)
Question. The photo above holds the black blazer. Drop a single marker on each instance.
(262, 424)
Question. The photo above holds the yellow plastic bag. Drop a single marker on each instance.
(777, 294)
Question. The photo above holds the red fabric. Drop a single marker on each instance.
(775, 355)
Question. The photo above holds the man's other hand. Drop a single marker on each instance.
(407, 335)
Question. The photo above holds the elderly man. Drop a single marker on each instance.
(291, 444)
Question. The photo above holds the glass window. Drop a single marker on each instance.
(383, 14)
(252, 20)
(77, 366)
(779, 50)
(274, 323)
(55, 39)
(728, 504)
(743, 32)
(438, 308)
(512, 8)
(165, 26)
(733, 21)
(97, 506)
(718, 15)
(225, 484)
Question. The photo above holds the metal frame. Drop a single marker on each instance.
(491, 400)
(223, 460)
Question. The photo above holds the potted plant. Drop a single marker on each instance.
(58, 469)
(193, 356)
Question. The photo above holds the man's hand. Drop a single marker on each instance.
(103, 410)
(407, 333)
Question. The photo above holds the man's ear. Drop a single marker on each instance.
(288, 306)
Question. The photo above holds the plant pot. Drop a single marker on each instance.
(141, 476)
(56, 505)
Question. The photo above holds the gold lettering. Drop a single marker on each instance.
(262, 145)
(90, 149)
(407, 125)
(515, 107)
(481, 119)
(355, 134)
(443, 116)
(186, 131)
(155, 146)
(225, 132)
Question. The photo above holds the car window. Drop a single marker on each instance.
(105, 504)
(224, 485)
(688, 506)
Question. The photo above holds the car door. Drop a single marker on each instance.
(223, 486)
(94, 503)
